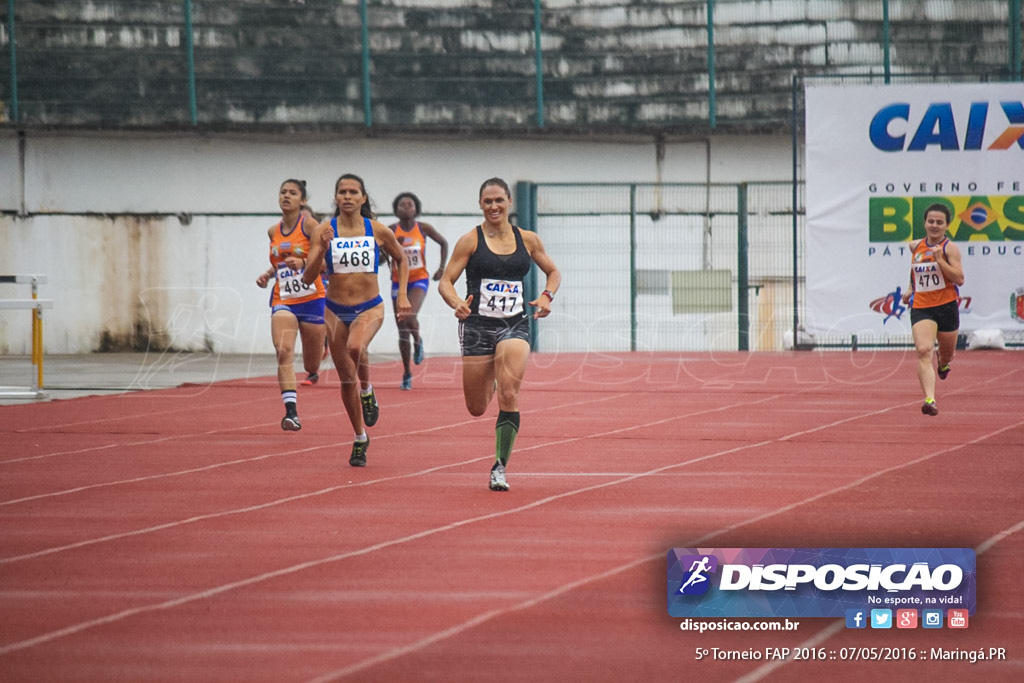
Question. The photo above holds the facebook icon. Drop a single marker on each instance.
(856, 618)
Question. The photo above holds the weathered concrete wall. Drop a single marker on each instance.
(155, 240)
(453, 102)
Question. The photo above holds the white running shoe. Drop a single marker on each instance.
(498, 482)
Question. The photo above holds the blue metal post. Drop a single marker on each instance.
(15, 117)
(885, 39)
(1015, 49)
(742, 277)
(712, 115)
(190, 49)
(367, 114)
(632, 268)
(539, 62)
(526, 218)
(796, 197)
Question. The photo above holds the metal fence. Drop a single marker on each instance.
(679, 267)
(581, 66)
(658, 267)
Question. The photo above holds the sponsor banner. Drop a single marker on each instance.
(877, 157)
(817, 582)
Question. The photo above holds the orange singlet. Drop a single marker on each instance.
(930, 287)
(414, 244)
(289, 287)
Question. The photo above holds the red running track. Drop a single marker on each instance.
(180, 535)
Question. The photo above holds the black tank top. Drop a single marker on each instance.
(503, 276)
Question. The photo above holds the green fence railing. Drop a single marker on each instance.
(621, 65)
(665, 267)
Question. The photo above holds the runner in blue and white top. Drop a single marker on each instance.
(349, 246)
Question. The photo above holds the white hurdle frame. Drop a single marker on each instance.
(36, 305)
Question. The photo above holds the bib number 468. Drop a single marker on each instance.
(354, 258)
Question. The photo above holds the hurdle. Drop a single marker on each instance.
(36, 305)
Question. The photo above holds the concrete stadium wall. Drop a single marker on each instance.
(155, 241)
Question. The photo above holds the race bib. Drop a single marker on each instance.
(414, 257)
(353, 255)
(290, 284)
(501, 298)
(928, 277)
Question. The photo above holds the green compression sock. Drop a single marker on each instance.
(505, 435)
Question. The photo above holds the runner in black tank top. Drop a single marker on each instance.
(485, 264)
(494, 327)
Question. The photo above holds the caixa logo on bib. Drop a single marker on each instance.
(816, 582)
(499, 287)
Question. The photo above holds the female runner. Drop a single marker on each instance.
(348, 246)
(297, 308)
(494, 330)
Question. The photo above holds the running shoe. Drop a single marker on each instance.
(311, 379)
(290, 422)
(371, 410)
(929, 408)
(498, 482)
(417, 352)
(944, 371)
(407, 382)
(358, 457)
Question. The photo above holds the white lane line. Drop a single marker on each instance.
(831, 630)
(118, 616)
(228, 463)
(482, 618)
(192, 597)
(107, 446)
(331, 489)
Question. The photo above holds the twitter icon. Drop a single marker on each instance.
(881, 618)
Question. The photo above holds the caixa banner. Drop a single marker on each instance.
(877, 157)
(816, 582)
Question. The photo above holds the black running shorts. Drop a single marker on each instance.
(480, 336)
(946, 316)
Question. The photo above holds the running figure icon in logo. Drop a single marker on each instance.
(696, 582)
